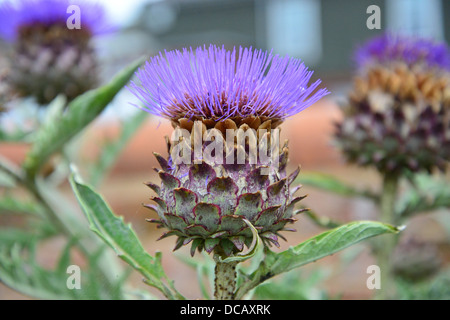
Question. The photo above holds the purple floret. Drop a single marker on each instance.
(18, 13)
(215, 83)
(411, 50)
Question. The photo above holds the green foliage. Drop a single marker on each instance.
(427, 194)
(325, 244)
(121, 237)
(437, 288)
(19, 270)
(54, 134)
(12, 236)
(6, 181)
(27, 277)
(16, 136)
(101, 279)
(320, 246)
(11, 204)
(323, 222)
(46, 214)
(329, 183)
(294, 285)
(204, 268)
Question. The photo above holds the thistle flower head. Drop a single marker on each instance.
(398, 113)
(51, 46)
(17, 15)
(389, 48)
(211, 202)
(215, 83)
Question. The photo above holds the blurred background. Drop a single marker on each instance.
(324, 34)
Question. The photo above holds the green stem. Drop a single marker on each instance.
(387, 243)
(225, 280)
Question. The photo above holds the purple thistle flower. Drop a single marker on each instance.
(215, 83)
(388, 47)
(20, 13)
(211, 204)
(48, 57)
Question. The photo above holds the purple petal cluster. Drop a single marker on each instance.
(19, 13)
(215, 83)
(411, 50)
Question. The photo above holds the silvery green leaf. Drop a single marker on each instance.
(315, 248)
(121, 238)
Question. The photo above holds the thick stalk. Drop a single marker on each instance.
(388, 242)
(225, 280)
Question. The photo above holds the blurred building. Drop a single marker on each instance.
(323, 33)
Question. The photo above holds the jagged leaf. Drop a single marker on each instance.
(315, 248)
(121, 237)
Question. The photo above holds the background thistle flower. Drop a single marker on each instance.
(398, 113)
(207, 202)
(48, 58)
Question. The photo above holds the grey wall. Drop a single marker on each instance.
(243, 22)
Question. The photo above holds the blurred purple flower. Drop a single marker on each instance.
(397, 117)
(18, 13)
(216, 83)
(411, 50)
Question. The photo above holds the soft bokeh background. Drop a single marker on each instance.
(323, 33)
